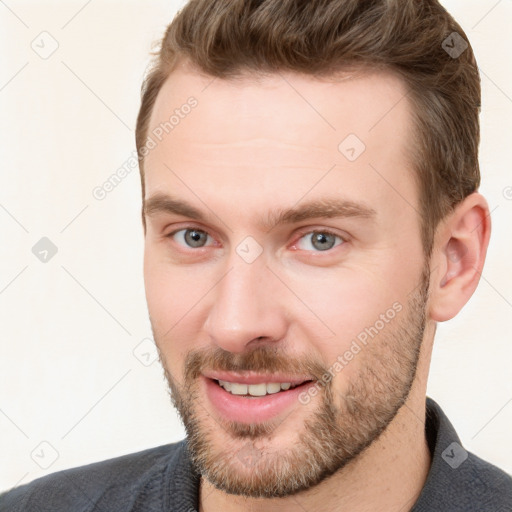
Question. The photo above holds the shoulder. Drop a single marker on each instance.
(475, 485)
(492, 483)
(459, 480)
(122, 481)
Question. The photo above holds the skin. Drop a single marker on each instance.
(255, 145)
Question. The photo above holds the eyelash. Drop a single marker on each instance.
(301, 235)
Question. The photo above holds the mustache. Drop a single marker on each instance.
(260, 360)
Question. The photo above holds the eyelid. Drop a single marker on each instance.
(329, 231)
(188, 226)
(192, 227)
(298, 235)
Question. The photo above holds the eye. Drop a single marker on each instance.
(192, 237)
(319, 241)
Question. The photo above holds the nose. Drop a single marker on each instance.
(246, 308)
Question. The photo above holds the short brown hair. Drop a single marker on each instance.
(417, 39)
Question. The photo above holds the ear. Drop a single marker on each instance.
(458, 257)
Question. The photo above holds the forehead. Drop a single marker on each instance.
(359, 100)
(282, 132)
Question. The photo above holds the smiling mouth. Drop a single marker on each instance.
(257, 390)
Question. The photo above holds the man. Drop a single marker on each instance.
(311, 211)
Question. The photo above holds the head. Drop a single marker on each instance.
(309, 215)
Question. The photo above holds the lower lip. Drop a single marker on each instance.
(244, 409)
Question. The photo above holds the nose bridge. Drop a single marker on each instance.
(244, 307)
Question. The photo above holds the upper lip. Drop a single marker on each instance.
(256, 378)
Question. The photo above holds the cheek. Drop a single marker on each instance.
(166, 296)
(345, 305)
(173, 295)
(169, 288)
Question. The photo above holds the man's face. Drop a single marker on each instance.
(329, 298)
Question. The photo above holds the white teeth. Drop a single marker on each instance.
(262, 389)
(273, 387)
(238, 389)
(257, 389)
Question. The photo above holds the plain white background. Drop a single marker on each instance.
(75, 384)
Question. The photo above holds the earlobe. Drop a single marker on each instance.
(458, 257)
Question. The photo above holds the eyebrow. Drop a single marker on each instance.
(319, 208)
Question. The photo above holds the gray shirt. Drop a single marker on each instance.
(163, 479)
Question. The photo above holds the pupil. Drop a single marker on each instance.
(322, 239)
(194, 237)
